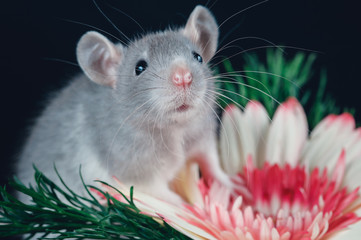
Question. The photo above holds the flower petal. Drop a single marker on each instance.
(256, 119)
(229, 140)
(352, 232)
(243, 134)
(352, 177)
(339, 170)
(287, 133)
(327, 140)
(170, 213)
(287, 199)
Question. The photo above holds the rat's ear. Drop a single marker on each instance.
(202, 30)
(99, 58)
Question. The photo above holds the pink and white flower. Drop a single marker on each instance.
(301, 185)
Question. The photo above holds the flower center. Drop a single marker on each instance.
(287, 203)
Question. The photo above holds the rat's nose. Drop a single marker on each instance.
(182, 77)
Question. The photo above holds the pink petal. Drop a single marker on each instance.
(339, 170)
(228, 236)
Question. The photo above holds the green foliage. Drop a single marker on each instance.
(60, 211)
(273, 82)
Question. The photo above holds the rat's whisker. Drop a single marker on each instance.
(234, 73)
(110, 21)
(156, 75)
(236, 103)
(210, 7)
(230, 99)
(147, 114)
(249, 86)
(229, 33)
(247, 98)
(233, 15)
(225, 48)
(263, 47)
(234, 81)
(241, 11)
(122, 12)
(61, 61)
(224, 112)
(145, 91)
(96, 28)
(248, 37)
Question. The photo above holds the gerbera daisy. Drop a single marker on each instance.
(301, 185)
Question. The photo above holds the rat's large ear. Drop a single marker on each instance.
(99, 58)
(202, 30)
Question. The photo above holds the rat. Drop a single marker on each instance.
(137, 112)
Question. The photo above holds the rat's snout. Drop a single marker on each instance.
(181, 76)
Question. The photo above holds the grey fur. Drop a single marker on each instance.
(127, 126)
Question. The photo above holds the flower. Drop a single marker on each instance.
(302, 186)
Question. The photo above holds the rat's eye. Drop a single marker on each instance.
(140, 67)
(197, 57)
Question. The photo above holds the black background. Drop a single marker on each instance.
(33, 31)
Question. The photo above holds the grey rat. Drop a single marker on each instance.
(137, 112)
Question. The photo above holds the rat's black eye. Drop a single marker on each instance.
(140, 67)
(197, 57)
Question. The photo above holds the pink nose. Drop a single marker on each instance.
(182, 77)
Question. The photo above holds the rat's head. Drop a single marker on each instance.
(163, 76)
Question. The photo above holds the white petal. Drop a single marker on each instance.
(265, 232)
(246, 139)
(315, 231)
(275, 234)
(256, 119)
(192, 231)
(287, 133)
(229, 141)
(249, 236)
(339, 170)
(352, 177)
(327, 140)
(242, 135)
(354, 150)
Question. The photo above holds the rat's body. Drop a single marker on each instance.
(148, 108)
